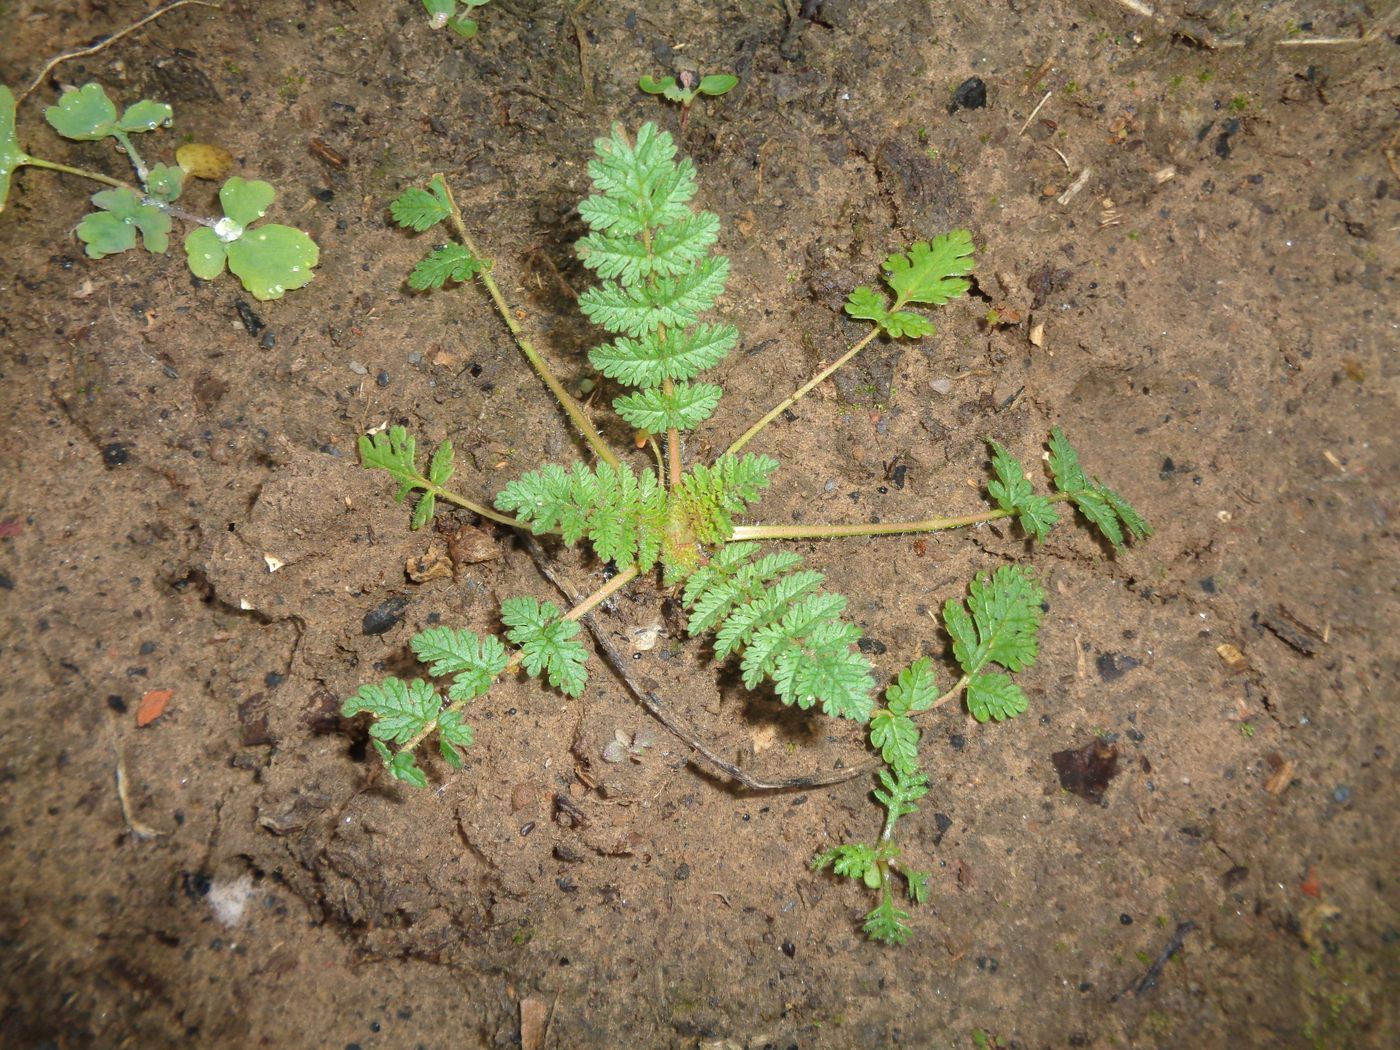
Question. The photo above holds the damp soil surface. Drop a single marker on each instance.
(1186, 257)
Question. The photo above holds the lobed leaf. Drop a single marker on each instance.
(915, 689)
(114, 228)
(475, 662)
(11, 156)
(1105, 509)
(1014, 494)
(671, 301)
(245, 201)
(931, 271)
(85, 114)
(420, 209)
(272, 259)
(1005, 616)
(684, 408)
(451, 262)
(679, 355)
(896, 737)
(401, 709)
(547, 643)
(994, 695)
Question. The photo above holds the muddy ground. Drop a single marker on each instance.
(1201, 218)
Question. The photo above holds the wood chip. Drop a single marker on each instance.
(1233, 658)
(1282, 776)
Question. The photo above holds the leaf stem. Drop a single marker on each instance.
(95, 176)
(798, 531)
(802, 392)
(566, 400)
(471, 505)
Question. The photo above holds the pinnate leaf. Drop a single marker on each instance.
(684, 408)
(401, 709)
(1013, 493)
(1005, 616)
(915, 689)
(994, 695)
(896, 737)
(1105, 509)
(475, 662)
(547, 643)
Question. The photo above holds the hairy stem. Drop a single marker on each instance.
(471, 505)
(143, 173)
(798, 531)
(802, 392)
(566, 400)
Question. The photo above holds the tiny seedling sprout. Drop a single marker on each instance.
(686, 86)
(270, 259)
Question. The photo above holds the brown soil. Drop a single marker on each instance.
(1220, 317)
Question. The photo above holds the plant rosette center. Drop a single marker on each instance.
(270, 259)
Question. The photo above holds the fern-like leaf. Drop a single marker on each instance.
(640, 185)
(474, 661)
(672, 301)
(1014, 494)
(401, 709)
(1105, 509)
(420, 209)
(656, 411)
(1000, 629)
(547, 643)
(933, 271)
(679, 355)
(451, 262)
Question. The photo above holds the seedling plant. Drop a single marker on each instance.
(658, 274)
(270, 259)
(454, 15)
(686, 87)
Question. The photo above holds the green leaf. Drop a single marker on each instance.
(145, 116)
(475, 662)
(868, 305)
(401, 709)
(85, 114)
(464, 27)
(652, 86)
(547, 643)
(205, 253)
(1013, 493)
(679, 355)
(420, 209)
(917, 885)
(1105, 509)
(915, 689)
(246, 200)
(451, 262)
(931, 271)
(403, 766)
(273, 260)
(902, 788)
(1002, 627)
(11, 156)
(896, 737)
(685, 408)
(671, 301)
(440, 10)
(165, 182)
(717, 83)
(114, 228)
(640, 185)
(994, 695)
(888, 924)
(674, 249)
(850, 861)
(440, 468)
(396, 451)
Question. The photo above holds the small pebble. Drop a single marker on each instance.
(382, 378)
(829, 486)
(1125, 919)
(415, 358)
(358, 369)
(941, 386)
(1341, 793)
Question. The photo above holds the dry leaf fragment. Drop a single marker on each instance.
(1233, 658)
(432, 564)
(470, 546)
